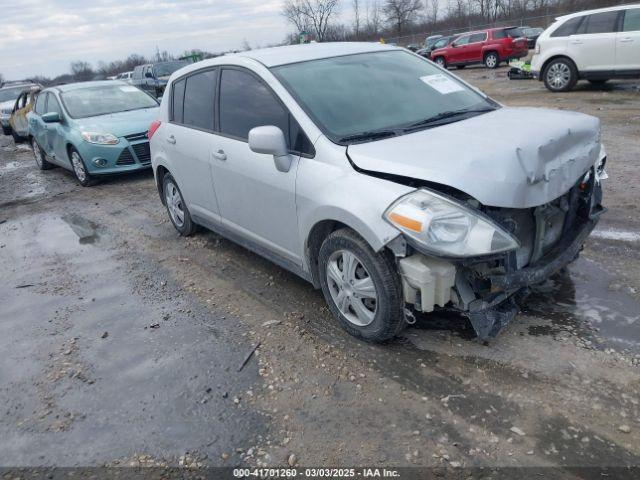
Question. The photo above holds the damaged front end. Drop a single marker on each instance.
(489, 289)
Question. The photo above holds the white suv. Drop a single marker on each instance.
(594, 45)
(379, 177)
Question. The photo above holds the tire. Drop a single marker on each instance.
(560, 75)
(371, 316)
(440, 61)
(6, 130)
(491, 60)
(460, 67)
(40, 157)
(80, 169)
(16, 138)
(176, 207)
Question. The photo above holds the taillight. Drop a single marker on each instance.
(155, 125)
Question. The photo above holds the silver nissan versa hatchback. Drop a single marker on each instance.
(379, 177)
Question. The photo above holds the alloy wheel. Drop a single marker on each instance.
(491, 61)
(174, 204)
(78, 167)
(559, 75)
(352, 288)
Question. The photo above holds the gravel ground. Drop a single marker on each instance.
(122, 342)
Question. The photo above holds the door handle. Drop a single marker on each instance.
(576, 42)
(220, 155)
(171, 140)
(626, 40)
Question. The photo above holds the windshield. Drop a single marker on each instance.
(166, 69)
(105, 99)
(7, 94)
(443, 42)
(374, 92)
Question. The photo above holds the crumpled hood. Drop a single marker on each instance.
(121, 123)
(512, 157)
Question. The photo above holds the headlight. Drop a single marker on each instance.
(447, 228)
(100, 138)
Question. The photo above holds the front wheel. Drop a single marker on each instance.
(361, 287)
(80, 169)
(441, 62)
(39, 156)
(176, 207)
(491, 60)
(560, 75)
(6, 130)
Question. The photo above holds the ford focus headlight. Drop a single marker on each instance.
(100, 138)
(445, 227)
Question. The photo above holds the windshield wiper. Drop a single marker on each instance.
(364, 136)
(437, 119)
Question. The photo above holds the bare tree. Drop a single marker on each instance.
(315, 15)
(356, 17)
(401, 13)
(432, 9)
(82, 71)
(373, 19)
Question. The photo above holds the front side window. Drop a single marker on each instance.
(199, 96)
(568, 28)
(53, 105)
(246, 103)
(632, 20)
(600, 23)
(376, 92)
(462, 40)
(40, 101)
(105, 99)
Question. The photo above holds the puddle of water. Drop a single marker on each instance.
(588, 301)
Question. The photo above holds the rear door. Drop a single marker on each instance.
(628, 43)
(189, 137)
(593, 47)
(473, 51)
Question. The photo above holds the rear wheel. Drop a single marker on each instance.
(362, 288)
(80, 169)
(176, 207)
(6, 130)
(16, 138)
(441, 62)
(491, 60)
(561, 75)
(39, 156)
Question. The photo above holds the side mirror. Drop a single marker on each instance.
(51, 117)
(270, 140)
(148, 75)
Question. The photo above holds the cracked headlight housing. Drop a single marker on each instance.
(100, 138)
(446, 228)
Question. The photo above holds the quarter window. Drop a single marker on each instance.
(568, 28)
(178, 101)
(600, 23)
(632, 20)
(199, 100)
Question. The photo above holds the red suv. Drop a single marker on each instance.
(490, 47)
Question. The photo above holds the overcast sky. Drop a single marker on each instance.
(45, 36)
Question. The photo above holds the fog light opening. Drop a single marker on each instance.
(99, 162)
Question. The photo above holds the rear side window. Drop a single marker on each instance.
(39, 108)
(199, 100)
(632, 20)
(600, 23)
(568, 28)
(478, 37)
(177, 101)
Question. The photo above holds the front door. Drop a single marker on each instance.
(256, 200)
(458, 50)
(593, 48)
(628, 42)
(55, 133)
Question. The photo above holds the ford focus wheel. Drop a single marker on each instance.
(176, 207)
(560, 75)
(361, 287)
(80, 170)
